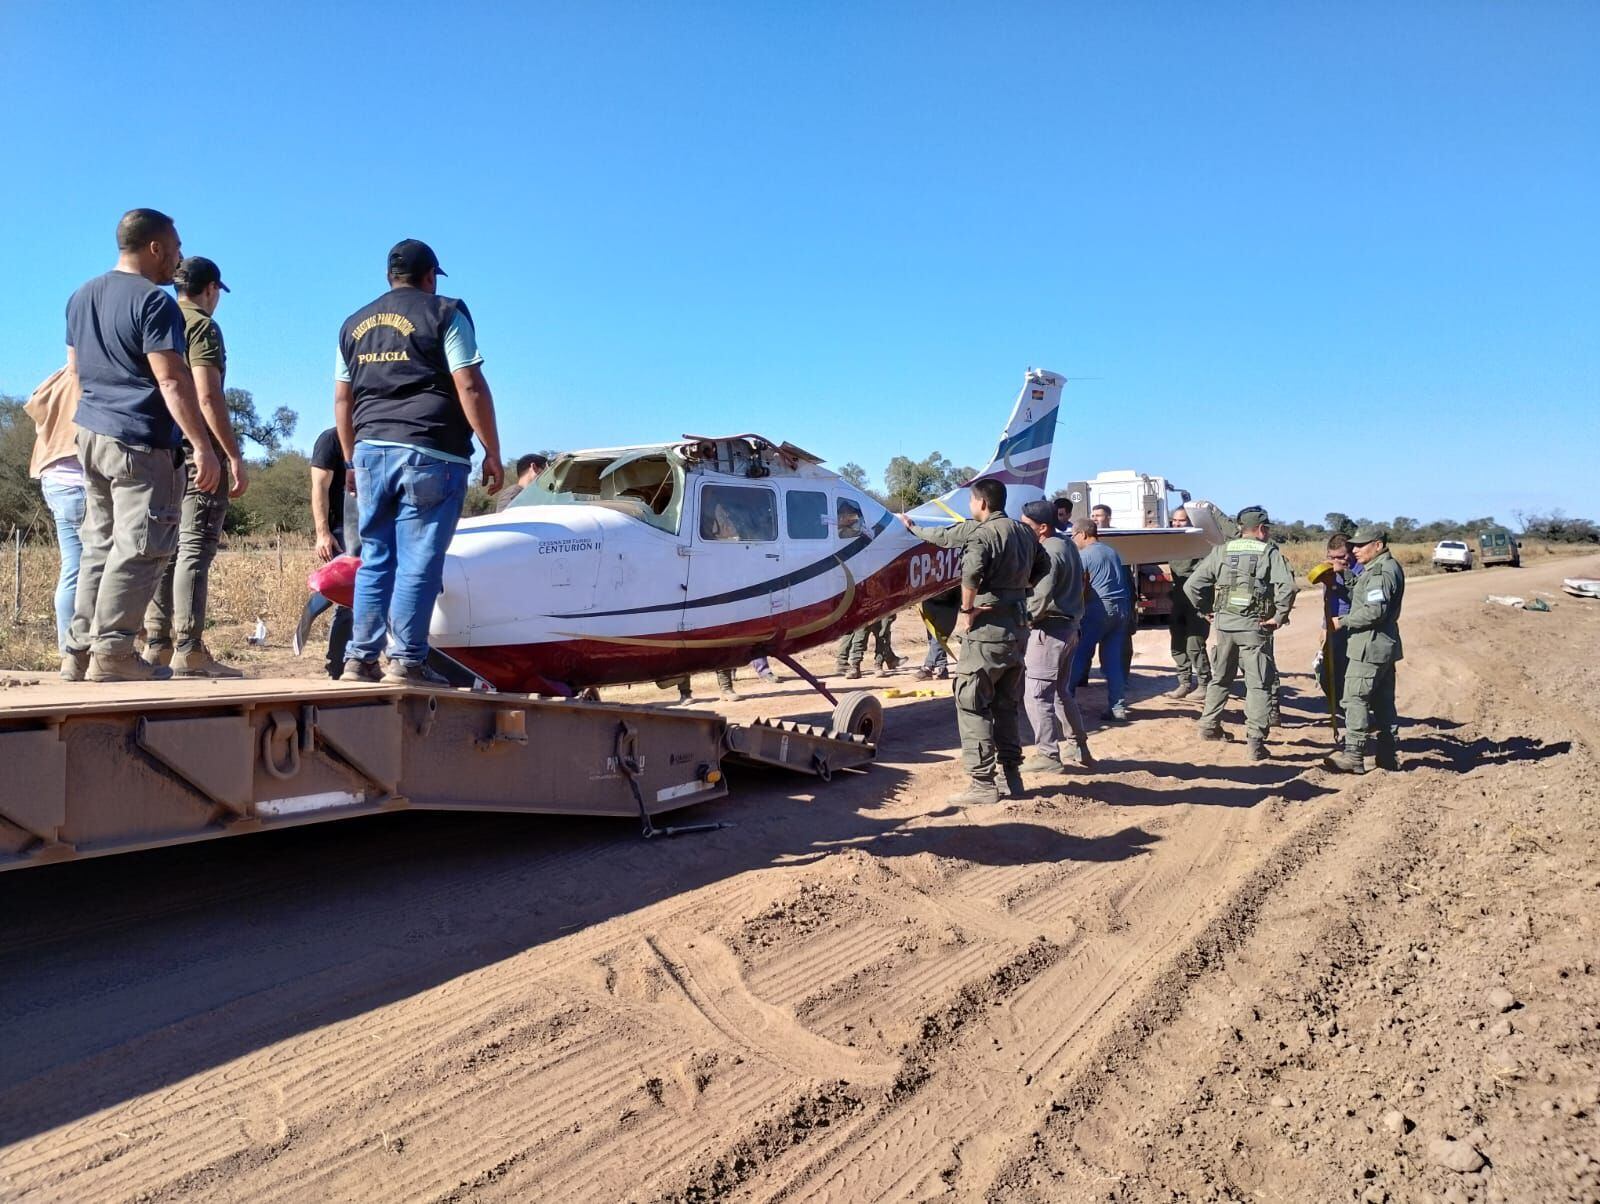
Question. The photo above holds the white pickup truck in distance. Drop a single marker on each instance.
(1451, 554)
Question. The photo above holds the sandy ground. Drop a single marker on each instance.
(1182, 977)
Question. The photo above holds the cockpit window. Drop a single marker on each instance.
(646, 485)
(806, 513)
(851, 524)
(738, 513)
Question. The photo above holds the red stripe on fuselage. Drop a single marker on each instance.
(917, 573)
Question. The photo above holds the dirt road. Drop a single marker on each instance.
(1182, 977)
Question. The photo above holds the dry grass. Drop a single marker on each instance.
(250, 578)
(1417, 558)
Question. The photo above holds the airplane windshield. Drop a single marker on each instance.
(648, 487)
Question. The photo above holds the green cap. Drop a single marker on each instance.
(1368, 532)
(1252, 516)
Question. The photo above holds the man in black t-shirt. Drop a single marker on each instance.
(334, 512)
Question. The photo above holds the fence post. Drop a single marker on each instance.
(16, 612)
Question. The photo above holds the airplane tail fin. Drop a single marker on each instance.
(1021, 462)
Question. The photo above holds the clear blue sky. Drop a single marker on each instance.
(1321, 256)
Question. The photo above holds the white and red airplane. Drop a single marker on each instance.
(644, 563)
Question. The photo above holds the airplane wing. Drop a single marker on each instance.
(1157, 545)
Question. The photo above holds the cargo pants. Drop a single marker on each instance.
(1047, 670)
(1188, 633)
(176, 615)
(1237, 651)
(133, 496)
(987, 685)
(1369, 708)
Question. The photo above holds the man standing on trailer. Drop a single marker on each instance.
(125, 341)
(175, 621)
(409, 395)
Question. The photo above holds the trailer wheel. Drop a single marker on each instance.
(859, 714)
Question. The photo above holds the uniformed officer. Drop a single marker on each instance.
(1246, 589)
(409, 395)
(1189, 629)
(1373, 624)
(1001, 562)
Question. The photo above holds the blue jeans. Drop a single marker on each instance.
(1107, 633)
(410, 503)
(66, 504)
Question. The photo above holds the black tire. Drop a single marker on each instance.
(859, 714)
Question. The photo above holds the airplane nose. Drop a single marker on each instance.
(452, 613)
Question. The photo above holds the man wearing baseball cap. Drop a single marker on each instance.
(1373, 624)
(175, 620)
(1246, 589)
(409, 395)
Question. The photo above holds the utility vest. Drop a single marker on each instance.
(1242, 587)
(394, 349)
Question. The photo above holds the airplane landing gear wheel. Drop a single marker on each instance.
(859, 714)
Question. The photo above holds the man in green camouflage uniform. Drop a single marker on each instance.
(1189, 628)
(1001, 561)
(1376, 598)
(1246, 589)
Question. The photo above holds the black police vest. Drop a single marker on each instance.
(394, 349)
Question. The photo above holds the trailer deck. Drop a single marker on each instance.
(89, 769)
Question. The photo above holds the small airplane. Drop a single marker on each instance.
(645, 563)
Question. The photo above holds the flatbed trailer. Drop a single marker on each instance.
(90, 769)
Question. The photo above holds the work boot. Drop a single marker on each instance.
(1011, 784)
(1042, 763)
(409, 673)
(1255, 749)
(891, 664)
(1211, 732)
(198, 662)
(158, 654)
(977, 792)
(1345, 761)
(356, 670)
(124, 666)
(1185, 688)
(74, 665)
(853, 673)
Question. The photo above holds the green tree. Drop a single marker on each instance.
(1336, 522)
(279, 498)
(855, 474)
(908, 483)
(269, 434)
(21, 503)
(1403, 528)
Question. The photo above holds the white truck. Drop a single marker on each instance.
(1451, 555)
(1138, 501)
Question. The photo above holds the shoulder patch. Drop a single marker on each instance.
(1374, 595)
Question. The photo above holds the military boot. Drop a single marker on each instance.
(124, 666)
(977, 791)
(1210, 732)
(1345, 761)
(1255, 749)
(1011, 784)
(198, 662)
(74, 665)
(1040, 763)
(1185, 688)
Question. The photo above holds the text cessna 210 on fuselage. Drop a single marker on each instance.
(645, 563)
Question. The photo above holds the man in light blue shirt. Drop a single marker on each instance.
(1105, 616)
